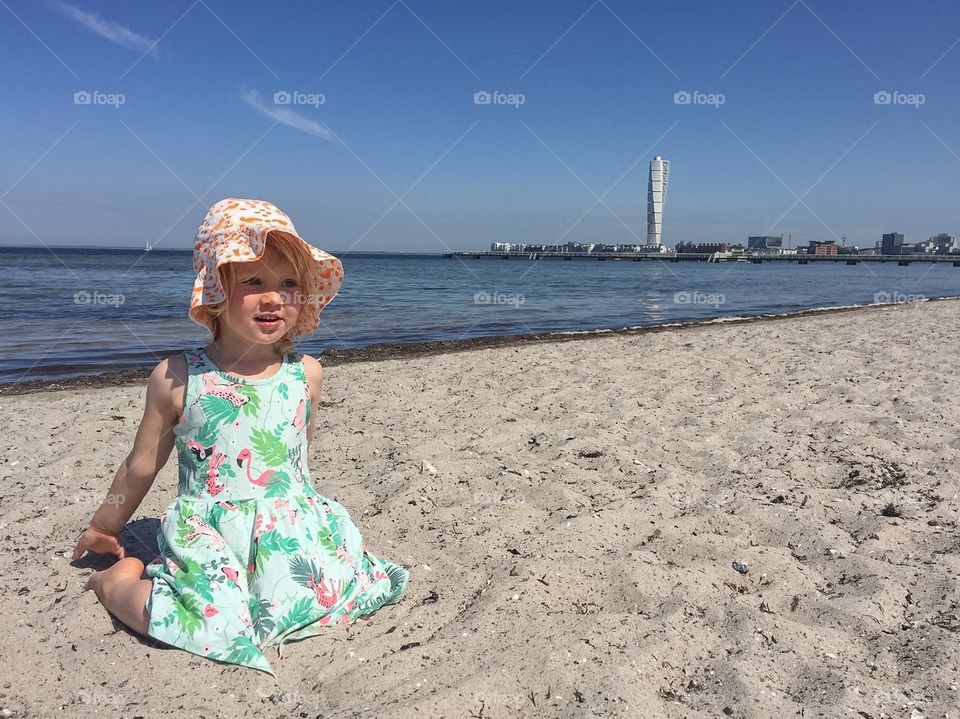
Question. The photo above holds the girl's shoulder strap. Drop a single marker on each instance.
(294, 363)
(197, 366)
(196, 362)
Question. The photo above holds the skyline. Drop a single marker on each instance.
(428, 127)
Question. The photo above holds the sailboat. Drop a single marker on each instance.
(147, 248)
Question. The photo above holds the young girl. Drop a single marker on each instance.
(250, 555)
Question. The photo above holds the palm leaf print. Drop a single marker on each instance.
(219, 410)
(278, 486)
(188, 613)
(329, 546)
(263, 623)
(270, 450)
(398, 577)
(250, 392)
(194, 577)
(183, 529)
(303, 571)
(299, 614)
(207, 434)
(271, 542)
(243, 650)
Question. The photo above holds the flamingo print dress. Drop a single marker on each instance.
(251, 556)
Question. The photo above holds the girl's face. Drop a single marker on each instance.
(264, 300)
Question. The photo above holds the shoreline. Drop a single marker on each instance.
(392, 351)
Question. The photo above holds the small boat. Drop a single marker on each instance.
(147, 247)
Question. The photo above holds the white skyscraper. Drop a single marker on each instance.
(656, 193)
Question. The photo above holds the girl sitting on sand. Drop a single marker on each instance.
(250, 555)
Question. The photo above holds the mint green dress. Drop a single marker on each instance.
(251, 556)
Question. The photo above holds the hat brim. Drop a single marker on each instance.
(248, 245)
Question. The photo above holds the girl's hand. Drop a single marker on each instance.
(100, 541)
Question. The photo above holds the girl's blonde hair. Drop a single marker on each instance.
(287, 247)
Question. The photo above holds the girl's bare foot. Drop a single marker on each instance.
(103, 581)
(122, 591)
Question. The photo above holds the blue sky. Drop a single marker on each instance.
(398, 156)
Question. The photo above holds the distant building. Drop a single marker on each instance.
(829, 247)
(709, 247)
(942, 244)
(892, 244)
(764, 242)
(656, 194)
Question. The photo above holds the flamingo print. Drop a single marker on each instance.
(199, 451)
(213, 474)
(291, 513)
(260, 529)
(325, 591)
(307, 573)
(246, 455)
(231, 574)
(224, 391)
(201, 528)
(300, 418)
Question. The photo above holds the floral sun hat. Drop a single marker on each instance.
(236, 231)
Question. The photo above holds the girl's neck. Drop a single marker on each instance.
(242, 358)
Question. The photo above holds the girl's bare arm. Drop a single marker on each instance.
(151, 449)
(314, 372)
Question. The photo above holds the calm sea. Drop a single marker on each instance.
(70, 312)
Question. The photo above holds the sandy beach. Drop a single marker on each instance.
(571, 513)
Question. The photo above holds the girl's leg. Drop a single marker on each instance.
(122, 591)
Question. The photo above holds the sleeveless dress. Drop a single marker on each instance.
(250, 555)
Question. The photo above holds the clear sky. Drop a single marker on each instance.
(383, 147)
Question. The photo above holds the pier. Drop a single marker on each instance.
(755, 258)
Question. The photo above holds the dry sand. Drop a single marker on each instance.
(570, 513)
